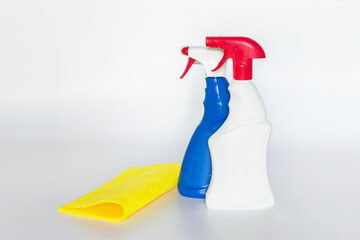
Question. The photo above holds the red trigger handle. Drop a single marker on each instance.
(188, 66)
(190, 62)
(222, 61)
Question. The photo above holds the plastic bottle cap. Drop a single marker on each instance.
(241, 49)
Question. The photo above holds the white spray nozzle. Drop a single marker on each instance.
(208, 57)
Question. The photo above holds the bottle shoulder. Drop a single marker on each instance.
(245, 103)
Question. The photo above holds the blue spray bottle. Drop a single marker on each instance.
(196, 168)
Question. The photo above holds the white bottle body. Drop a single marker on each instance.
(238, 154)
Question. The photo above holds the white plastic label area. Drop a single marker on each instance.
(238, 153)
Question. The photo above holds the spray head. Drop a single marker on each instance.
(208, 57)
(242, 50)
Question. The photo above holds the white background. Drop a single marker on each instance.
(90, 88)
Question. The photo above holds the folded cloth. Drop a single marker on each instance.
(127, 193)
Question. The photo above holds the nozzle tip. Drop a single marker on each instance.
(185, 50)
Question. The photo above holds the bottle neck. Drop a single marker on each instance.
(217, 90)
(217, 98)
(216, 81)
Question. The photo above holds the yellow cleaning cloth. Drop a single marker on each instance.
(127, 193)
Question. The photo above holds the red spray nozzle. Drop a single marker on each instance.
(241, 49)
(185, 51)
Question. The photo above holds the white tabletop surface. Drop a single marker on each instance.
(316, 190)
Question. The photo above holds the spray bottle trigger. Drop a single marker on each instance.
(188, 66)
(222, 61)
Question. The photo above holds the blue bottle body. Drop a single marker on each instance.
(196, 168)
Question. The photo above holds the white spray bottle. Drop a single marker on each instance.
(238, 149)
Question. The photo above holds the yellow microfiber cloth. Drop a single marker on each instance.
(127, 193)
